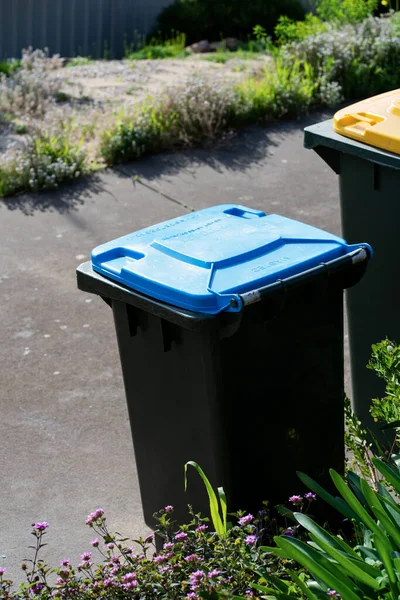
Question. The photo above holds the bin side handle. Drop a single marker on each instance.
(361, 254)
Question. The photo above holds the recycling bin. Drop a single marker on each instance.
(360, 146)
(230, 332)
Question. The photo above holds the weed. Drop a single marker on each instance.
(80, 61)
(156, 49)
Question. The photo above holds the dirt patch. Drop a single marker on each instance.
(129, 81)
(90, 95)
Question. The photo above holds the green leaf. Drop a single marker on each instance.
(286, 512)
(391, 507)
(214, 508)
(355, 505)
(280, 584)
(270, 550)
(266, 590)
(311, 560)
(320, 533)
(388, 472)
(396, 561)
(304, 588)
(370, 496)
(353, 568)
(337, 503)
(388, 524)
(387, 562)
(224, 507)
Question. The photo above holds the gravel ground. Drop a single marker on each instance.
(125, 81)
(91, 94)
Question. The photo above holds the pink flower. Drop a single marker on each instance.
(94, 516)
(289, 532)
(296, 500)
(129, 577)
(192, 558)
(181, 536)
(2, 571)
(246, 519)
(192, 596)
(64, 573)
(250, 539)
(130, 584)
(65, 562)
(213, 573)
(310, 496)
(201, 528)
(86, 556)
(41, 526)
(197, 576)
(165, 569)
(169, 508)
(168, 545)
(94, 543)
(160, 558)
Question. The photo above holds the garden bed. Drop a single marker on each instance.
(67, 120)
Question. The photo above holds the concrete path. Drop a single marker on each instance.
(65, 439)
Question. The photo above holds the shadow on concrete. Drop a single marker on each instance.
(68, 197)
(237, 152)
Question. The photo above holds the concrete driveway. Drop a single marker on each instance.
(65, 439)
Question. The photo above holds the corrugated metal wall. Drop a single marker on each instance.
(96, 28)
(75, 27)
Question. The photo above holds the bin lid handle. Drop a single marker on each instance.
(360, 253)
(234, 302)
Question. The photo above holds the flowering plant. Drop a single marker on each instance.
(193, 562)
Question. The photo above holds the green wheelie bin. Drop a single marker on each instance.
(362, 146)
(230, 330)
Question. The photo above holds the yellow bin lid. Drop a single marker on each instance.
(375, 121)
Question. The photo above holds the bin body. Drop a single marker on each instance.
(250, 395)
(369, 181)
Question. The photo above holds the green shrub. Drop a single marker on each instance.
(211, 19)
(195, 561)
(285, 91)
(8, 67)
(28, 88)
(288, 30)
(370, 569)
(195, 113)
(80, 61)
(156, 49)
(346, 11)
(361, 59)
(385, 361)
(150, 128)
(42, 163)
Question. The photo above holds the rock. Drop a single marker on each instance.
(214, 46)
(199, 47)
(231, 43)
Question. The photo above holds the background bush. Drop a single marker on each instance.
(213, 19)
(361, 59)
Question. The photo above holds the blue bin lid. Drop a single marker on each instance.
(203, 260)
